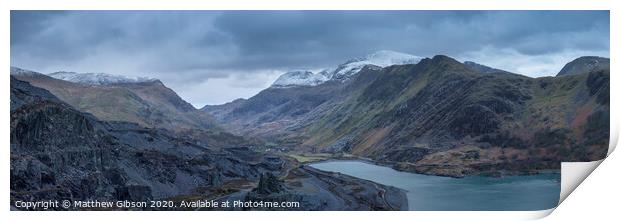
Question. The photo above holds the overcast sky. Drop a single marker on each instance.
(212, 57)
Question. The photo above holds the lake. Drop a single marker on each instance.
(426, 192)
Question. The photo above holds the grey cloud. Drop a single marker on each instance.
(185, 40)
(191, 47)
(291, 36)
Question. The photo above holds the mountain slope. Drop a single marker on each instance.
(149, 103)
(433, 115)
(273, 110)
(295, 99)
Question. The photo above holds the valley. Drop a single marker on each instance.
(99, 136)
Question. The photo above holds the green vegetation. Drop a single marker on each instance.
(308, 158)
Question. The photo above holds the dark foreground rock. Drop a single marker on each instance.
(60, 153)
(335, 191)
(309, 189)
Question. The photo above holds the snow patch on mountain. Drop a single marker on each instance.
(98, 78)
(299, 78)
(345, 71)
(380, 58)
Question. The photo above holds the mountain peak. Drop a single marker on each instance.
(443, 58)
(299, 78)
(382, 58)
(584, 64)
(343, 72)
(98, 78)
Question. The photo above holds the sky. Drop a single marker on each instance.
(214, 57)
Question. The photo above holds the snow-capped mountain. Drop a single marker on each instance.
(299, 78)
(344, 71)
(380, 58)
(98, 78)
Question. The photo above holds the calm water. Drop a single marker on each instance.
(534, 192)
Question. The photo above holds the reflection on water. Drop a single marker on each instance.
(424, 192)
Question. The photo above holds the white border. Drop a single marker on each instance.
(602, 179)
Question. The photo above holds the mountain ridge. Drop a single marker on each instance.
(98, 78)
(485, 69)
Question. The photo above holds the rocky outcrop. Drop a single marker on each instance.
(59, 152)
(318, 190)
(268, 184)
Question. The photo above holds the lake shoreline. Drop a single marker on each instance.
(412, 168)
